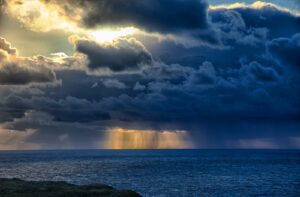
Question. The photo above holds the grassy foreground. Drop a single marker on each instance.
(20, 188)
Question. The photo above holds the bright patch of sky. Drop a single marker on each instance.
(290, 4)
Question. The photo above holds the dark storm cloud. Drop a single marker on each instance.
(205, 75)
(267, 16)
(21, 71)
(16, 74)
(255, 71)
(228, 96)
(122, 55)
(163, 71)
(249, 92)
(232, 29)
(151, 15)
(242, 33)
(69, 109)
(287, 50)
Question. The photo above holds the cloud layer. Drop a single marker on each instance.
(123, 54)
(16, 70)
(150, 15)
(236, 84)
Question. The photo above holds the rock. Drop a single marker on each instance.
(20, 188)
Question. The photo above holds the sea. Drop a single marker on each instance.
(164, 173)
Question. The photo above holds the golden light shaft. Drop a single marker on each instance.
(119, 138)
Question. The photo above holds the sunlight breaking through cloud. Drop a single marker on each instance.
(108, 35)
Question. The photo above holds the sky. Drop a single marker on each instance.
(149, 74)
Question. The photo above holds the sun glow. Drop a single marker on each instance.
(109, 35)
(36, 16)
(119, 138)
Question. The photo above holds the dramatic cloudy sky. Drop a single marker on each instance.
(149, 74)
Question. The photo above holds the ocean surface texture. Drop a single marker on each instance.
(165, 172)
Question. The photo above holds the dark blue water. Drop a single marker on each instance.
(165, 172)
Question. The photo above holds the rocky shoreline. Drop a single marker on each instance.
(21, 188)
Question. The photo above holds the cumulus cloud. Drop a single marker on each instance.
(255, 72)
(286, 50)
(264, 15)
(161, 71)
(70, 109)
(205, 75)
(246, 84)
(232, 28)
(114, 83)
(120, 55)
(16, 74)
(139, 87)
(16, 70)
(6, 46)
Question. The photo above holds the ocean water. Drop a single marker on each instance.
(165, 172)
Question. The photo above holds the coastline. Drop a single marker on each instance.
(19, 188)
